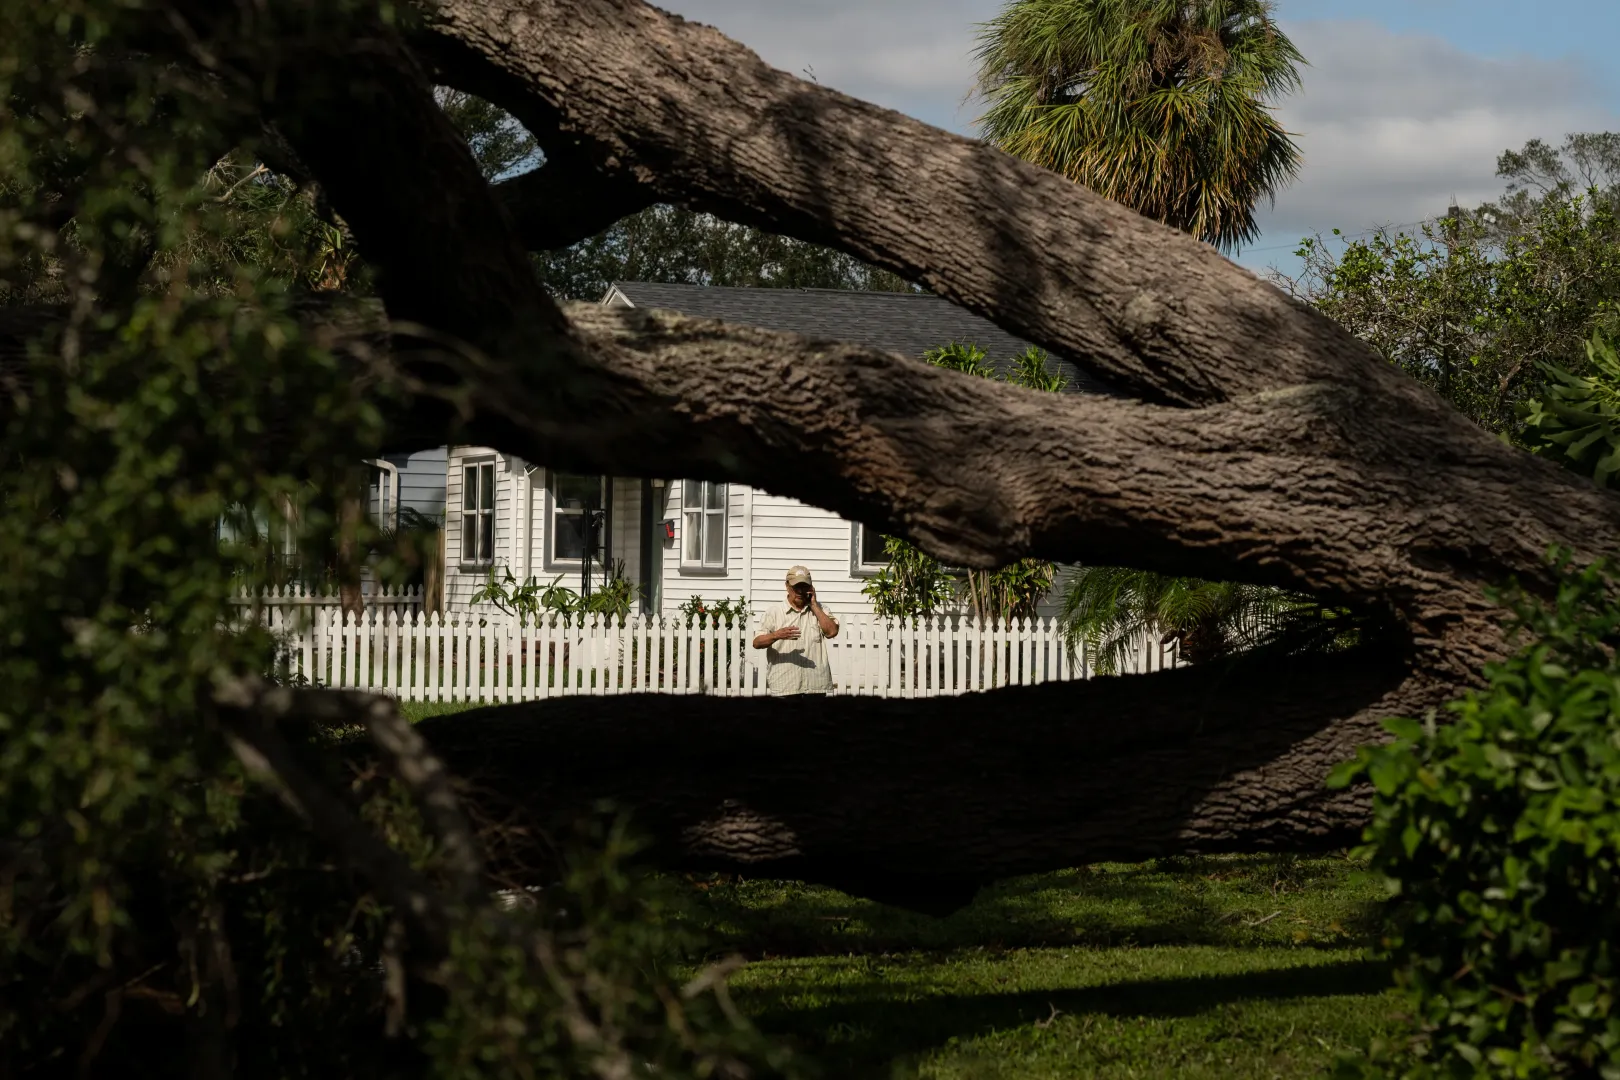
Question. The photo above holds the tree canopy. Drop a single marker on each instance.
(1162, 105)
(1477, 304)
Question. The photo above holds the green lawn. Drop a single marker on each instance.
(1229, 967)
(1219, 967)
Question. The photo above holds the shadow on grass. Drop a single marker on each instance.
(870, 1024)
(1221, 902)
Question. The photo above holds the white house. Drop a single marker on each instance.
(674, 538)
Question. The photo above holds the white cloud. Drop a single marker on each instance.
(1393, 125)
(911, 55)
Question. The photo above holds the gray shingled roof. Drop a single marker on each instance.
(905, 323)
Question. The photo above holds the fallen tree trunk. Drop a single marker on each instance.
(920, 802)
(1264, 444)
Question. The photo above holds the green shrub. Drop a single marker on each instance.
(725, 610)
(1500, 834)
(530, 600)
(1577, 421)
(163, 912)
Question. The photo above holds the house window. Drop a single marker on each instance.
(478, 513)
(573, 501)
(703, 524)
(866, 547)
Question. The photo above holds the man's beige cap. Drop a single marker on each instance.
(798, 575)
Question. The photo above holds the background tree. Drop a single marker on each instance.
(1587, 163)
(669, 244)
(1163, 105)
(1477, 304)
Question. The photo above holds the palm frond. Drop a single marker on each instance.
(1162, 105)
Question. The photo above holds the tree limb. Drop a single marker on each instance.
(1227, 490)
(566, 200)
(701, 120)
(913, 801)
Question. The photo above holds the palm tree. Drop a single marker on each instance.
(1163, 105)
(1109, 609)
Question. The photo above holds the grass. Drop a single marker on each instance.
(1217, 967)
(417, 711)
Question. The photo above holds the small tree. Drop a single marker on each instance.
(1107, 610)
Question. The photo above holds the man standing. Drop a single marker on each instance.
(794, 636)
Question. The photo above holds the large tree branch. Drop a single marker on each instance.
(1228, 490)
(566, 200)
(1308, 462)
(703, 121)
(919, 802)
(1344, 476)
(1360, 498)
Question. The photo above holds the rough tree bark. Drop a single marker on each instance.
(1258, 442)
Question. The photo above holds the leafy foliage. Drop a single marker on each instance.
(1500, 833)
(1162, 105)
(1478, 304)
(671, 244)
(1032, 370)
(1577, 422)
(161, 910)
(409, 552)
(616, 959)
(722, 611)
(911, 583)
(1107, 610)
(965, 357)
(500, 144)
(530, 599)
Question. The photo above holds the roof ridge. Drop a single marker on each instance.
(865, 293)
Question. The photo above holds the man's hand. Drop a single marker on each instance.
(786, 633)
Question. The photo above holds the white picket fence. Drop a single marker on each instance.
(300, 595)
(499, 658)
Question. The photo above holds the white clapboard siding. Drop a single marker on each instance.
(496, 657)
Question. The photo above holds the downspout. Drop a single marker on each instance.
(646, 582)
(748, 543)
(528, 522)
(512, 538)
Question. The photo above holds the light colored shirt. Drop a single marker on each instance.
(796, 665)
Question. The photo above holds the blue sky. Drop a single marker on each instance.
(1406, 103)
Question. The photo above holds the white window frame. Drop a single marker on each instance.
(385, 508)
(858, 566)
(705, 519)
(553, 512)
(482, 472)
